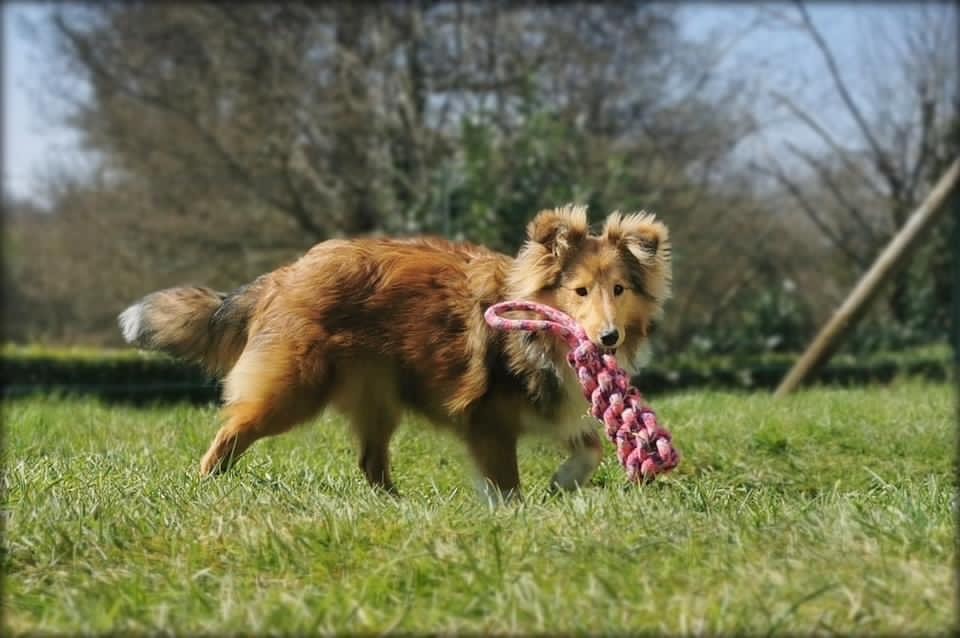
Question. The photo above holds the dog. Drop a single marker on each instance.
(377, 327)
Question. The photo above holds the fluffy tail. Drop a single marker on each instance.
(193, 323)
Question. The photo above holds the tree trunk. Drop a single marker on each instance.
(955, 306)
(405, 147)
(351, 137)
(899, 300)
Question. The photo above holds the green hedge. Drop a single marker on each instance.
(112, 374)
(766, 371)
(132, 375)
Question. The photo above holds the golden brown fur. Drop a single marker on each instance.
(376, 327)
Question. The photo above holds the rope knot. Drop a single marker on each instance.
(644, 448)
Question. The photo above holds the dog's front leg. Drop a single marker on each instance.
(586, 451)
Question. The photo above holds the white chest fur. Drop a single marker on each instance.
(569, 418)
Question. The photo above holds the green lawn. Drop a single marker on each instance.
(831, 511)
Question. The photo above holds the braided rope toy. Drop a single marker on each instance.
(643, 447)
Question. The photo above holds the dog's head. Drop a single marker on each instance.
(614, 284)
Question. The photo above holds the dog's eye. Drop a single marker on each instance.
(618, 290)
(581, 291)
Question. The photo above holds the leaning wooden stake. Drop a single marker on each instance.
(893, 256)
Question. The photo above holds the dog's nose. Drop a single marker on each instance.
(610, 337)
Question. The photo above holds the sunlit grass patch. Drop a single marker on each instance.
(829, 511)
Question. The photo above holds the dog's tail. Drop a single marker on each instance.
(193, 323)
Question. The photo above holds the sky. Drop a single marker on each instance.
(30, 139)
(33, 139)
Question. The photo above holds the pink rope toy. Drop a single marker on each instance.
(643, 447)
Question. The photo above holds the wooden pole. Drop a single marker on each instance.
(850, 311)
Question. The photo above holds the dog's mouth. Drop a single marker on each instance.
(609, 351)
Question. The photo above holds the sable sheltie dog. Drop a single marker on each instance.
(376, 327)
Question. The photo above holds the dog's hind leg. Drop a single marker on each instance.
(264, 396)
(374, 425)
(374, 440)
(374, 416)
(586, 452)
(494, 450)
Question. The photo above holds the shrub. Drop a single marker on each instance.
(134, 376)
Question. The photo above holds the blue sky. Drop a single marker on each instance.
(33, 139)
(30, 139)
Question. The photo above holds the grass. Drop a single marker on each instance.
(831, 511)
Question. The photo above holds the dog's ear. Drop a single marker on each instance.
(559, 229)
(647, 239)
(645, 244)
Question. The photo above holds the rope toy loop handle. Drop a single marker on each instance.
(644, 448)
(557, 323)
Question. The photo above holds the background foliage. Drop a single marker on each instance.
(220, 153)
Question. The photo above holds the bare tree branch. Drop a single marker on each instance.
(237, 169)
(841, 153)
(778, 173)
(825, 177)
(880, 159)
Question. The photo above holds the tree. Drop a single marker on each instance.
(869, 177)
(226, 153)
